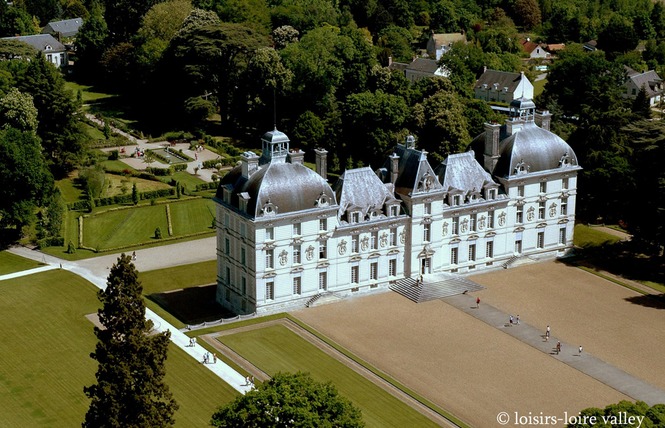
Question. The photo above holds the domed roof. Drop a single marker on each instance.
(533, 149)
(284, 187)
(275, 136)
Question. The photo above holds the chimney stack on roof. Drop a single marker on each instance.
(322, 162)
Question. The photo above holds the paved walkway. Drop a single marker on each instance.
(96, 271)
(584, 362)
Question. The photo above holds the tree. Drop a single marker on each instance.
(91, 41)
(18, 111)
(130, 389)
(615, 414)
(135, 194)
(305, 15)
(641, 104)
(396, 43)
(527, 13)
(56, 113)
(25, 181)
(282, 36)
(295, 399)
(619, 36)
(45, 10)
(123, 17)
(14, 49)
(15, 21)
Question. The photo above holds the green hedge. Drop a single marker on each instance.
(120, 199)
(206, 186)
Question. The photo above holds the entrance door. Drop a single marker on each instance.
(425, 265)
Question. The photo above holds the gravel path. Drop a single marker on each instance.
(475, 371)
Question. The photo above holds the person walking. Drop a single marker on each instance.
(580, 350)
(547, 334)
(511, 320)
(517, 320)
(558, 347)
(477, 302)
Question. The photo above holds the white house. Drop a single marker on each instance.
(54, 51)
(649, 80)
(285, 237)
(502, 86)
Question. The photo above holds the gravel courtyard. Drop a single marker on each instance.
(475, 371)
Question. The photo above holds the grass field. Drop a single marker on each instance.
(161, 280)
(46, 363)
(121, 228)
(119, 185)
(190, 217)
(10, 263)
(184, 178)
(586, 236)
(68, 188)
(88, 94)
(277, 349)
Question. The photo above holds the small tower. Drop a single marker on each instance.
(275, 147)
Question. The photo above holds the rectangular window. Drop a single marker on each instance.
(541, 240)
(373, 271)
(541, 210)
(543, 187)
(564, 206)
(226, 220)
(518, 246)
(354, 274)
(393, 210)
(564, 183)
(562, 236)
(519, 217)
(426, 232)
(455, 225)
(296, 254)
(472, 252)
(244, 285)
(354, 244)
(270, 290)
(269, 259)
(323, 280)
(428, 208)
(243, 256)
(227, 246)
(491, 194)
(374, 240)
(456, 200)
(296, 229)
(392, 267)
(489, 249)
(472, 222)
(228, 276)
(490, 219)
(393, 237)
(323, 250)
(323, 224)
(270, 233)
(520, 191)
(243, 230)
(355, 217)
(453, 256)
(297, 287)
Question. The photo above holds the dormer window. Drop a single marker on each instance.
(456, 200)
(355, 217)
(48, 48)
(226, 195)
(322, 200)
(269, 209)
(491, 194)
(393, 211)
(565, 160)
(243, 200)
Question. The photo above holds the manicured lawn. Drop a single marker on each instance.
(113, 229)
(539, 87)
(586, 236)
(93, 132)
(276, 349)
(46, 360)
(87, 92)
(193, 216)
(119, 185)
(69, 190)
(10, 263)
(161, 280)
(115, 165)
(186, 179)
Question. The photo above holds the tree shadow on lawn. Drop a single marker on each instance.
(656, 301)
(192, 305)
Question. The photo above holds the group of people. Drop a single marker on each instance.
(558, 343)
(249, 381)
(207, 358)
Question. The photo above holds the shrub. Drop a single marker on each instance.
(158, 233)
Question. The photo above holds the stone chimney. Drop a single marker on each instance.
(543, 119)
(297, 156)
(394, 167)
(491, 153)
(250, 163)
(322, 162)
(410, 142)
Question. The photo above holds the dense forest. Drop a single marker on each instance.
(322, 63)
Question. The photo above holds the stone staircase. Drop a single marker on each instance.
(434, 286)
(510, 261)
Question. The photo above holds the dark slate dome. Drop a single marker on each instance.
(287, 187)
(534, 148)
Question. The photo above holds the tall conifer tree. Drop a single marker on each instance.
(130, 389)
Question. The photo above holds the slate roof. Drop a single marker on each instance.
(67, 27)
(423, 65)
(649, 79)
(502, 78)
(413, 166)
(461, 171)
(41, 42)
(361, 189)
